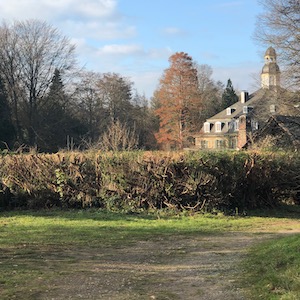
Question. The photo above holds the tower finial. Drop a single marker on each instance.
(270, 75)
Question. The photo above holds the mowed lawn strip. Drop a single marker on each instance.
(37, 246)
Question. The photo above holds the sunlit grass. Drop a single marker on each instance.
(272, 270)
(77, 228)
(40, 245)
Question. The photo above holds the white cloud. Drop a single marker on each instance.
(116, 49)
(20, 9)
(94, 19)
(147, 82)
(242, 75)
(98, 30)
(105, 40)
(95, 8)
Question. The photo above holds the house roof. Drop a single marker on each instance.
(237, 108)
(259, 109)
(289, 125)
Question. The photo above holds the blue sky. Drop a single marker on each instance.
(135, 38)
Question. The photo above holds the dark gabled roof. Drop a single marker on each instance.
(238, 106)
(290, 125)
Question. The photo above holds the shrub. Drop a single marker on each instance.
(150, 180)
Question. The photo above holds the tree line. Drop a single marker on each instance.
(47, 102)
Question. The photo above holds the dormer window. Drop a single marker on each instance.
(206, 127)
(218, 126)
(272, 108)
(245, 109)
(228, 111)
(236, 125)
(254, 125)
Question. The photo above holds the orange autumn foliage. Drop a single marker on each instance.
(177, 97)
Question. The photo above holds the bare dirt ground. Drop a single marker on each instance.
(205, 267)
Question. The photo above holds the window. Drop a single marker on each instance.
(233, 143)
(254, 125)
(236, 125)
(218, 126)
(272, 108)
(204, 144)
(228, 111)
(245, 109)
(220, 144)
(206, 127)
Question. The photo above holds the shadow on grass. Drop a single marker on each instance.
(81, 214)
(283, 211)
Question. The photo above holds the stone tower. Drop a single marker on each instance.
(270, 75)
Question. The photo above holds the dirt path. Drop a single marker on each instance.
(185, 268)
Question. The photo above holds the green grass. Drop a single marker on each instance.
(272, 270)
(38, 246)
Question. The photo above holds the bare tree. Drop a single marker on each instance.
(30, 52)
(279, 25)
(210, 93)
(11, 71)
(89, 103)
(118, 137)
(204, 73)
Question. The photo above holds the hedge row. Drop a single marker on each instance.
(150, 180)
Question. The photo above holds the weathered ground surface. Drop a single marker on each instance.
(205, 267)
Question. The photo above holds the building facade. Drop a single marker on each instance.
(233, 127)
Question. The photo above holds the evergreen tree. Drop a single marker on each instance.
(6, 128)
(116, 96)
(55, 120)
(229, 96)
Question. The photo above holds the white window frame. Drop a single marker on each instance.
(228, 111)
(245, 109)
(236, 125)
(254, 125)
(218, 126)
(206, 127)
(272, 108)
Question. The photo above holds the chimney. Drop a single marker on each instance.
(244, 96)
(244, 130)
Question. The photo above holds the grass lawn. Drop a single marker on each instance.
(272, 269)
(37, 247)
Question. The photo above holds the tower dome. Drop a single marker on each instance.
(270, 75)
(270, 52)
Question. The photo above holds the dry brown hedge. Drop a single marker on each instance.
(149, 180)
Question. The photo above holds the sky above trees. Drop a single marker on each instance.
(135, 38)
